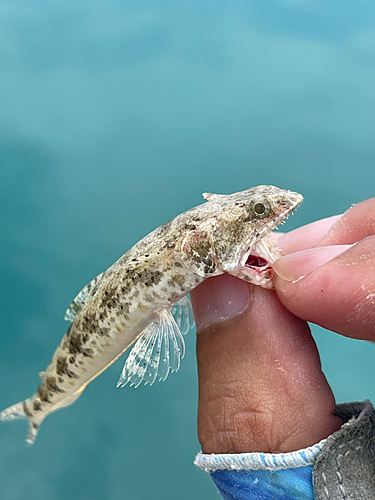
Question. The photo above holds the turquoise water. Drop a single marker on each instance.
(114, 117)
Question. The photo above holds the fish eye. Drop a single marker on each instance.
(260, 208)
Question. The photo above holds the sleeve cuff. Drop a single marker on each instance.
(258, 461)
(263, 476)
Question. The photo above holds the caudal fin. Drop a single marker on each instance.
(20, 411)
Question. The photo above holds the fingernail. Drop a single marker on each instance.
(306, 236)
(218, 299)
(295, 266)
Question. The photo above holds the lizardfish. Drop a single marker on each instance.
(141, 299)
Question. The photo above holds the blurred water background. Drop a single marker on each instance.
(114, 117)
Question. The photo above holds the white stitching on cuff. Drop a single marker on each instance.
(257, 461)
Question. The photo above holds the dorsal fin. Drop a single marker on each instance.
(211, 196)
(79, 300)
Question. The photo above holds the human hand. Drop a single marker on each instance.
(261, 387)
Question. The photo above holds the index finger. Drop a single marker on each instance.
(306, 236)
(355, 224)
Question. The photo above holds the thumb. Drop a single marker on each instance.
(261, 387)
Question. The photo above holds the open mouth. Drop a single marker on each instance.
(257, 268)
(262, 256)
(254, 261)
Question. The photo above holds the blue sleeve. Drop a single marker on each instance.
(287, 484)
(262, 476)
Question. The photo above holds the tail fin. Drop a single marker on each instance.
(20, 411)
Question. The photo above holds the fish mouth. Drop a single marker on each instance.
(258, 264)
(257, 268)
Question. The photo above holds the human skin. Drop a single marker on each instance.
(261, 387)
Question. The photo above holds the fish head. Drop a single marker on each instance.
(242, 241)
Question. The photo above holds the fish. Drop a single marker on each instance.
(141, 300)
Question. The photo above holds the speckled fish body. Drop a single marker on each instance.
(133, 298)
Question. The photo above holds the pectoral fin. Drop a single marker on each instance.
(158, 351)
(183, 315)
